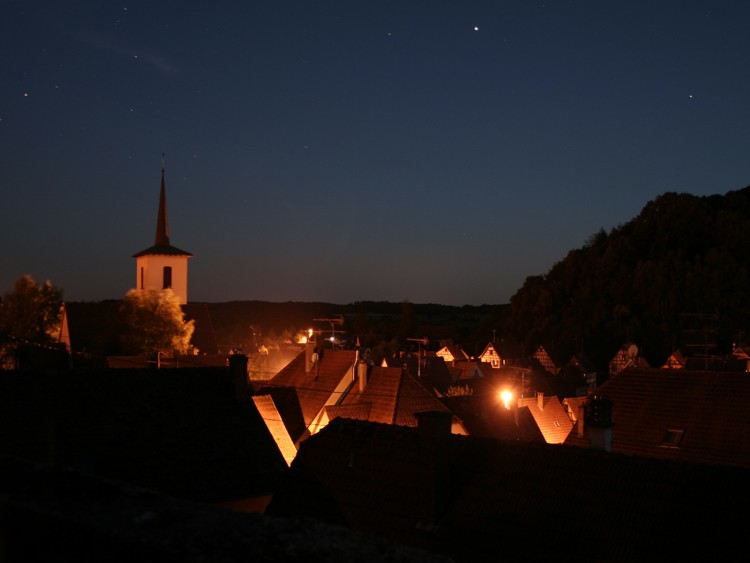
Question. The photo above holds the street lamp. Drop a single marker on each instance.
(505, 397)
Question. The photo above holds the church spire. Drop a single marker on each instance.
(162, 227)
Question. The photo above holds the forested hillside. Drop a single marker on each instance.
(676, 276)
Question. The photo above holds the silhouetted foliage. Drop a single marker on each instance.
(682, 255)
(30, 316)
(154, 322)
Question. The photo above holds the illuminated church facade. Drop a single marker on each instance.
(163, 266)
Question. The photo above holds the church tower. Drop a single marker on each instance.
(163, 266)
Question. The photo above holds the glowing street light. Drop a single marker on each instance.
(505, 397)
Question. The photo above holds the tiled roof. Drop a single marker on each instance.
(300, 395)
(550, 416)
(484, 414)
(393, 397)
(355, 411)
(271, 416)
(381, 393)
(708, 409)
(480, 500)
(413, 399)
(182, 432)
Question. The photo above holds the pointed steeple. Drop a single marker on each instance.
(162, 226)
(162, 247)
(163, 266)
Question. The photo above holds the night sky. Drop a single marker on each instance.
(422, 151)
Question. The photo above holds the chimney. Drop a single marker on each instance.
(362, 368)
(580, 421)
(238, 369)
(311, 356)
(540, 400)
(599, 421)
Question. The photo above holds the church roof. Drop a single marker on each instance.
(161, 243)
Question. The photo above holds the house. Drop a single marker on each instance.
(308, 393)
(549, 358)
(675, 361)
(299, 394)
(452, 353)
(549, 415)
(388, 395)
(484, 411)
(479, 500)
(676, 414)
(499, 354)
(190, 433)
(629, 356)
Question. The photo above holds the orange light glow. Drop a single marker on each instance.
(505, 397)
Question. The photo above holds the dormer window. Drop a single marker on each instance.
(672, 438)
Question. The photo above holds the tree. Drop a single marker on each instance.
(153, 321)
(29, 314)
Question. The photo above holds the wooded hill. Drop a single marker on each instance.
(676, 276)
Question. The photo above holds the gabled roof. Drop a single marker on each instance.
(675, 361)
(301, 394)
(685, 415)
(550, 417)
(483, 413)
(480, 500)
(390, 396)
(549, 357)
(452, 353)
(272, 417)
(181, 432)
(381, 394)
(628, 356)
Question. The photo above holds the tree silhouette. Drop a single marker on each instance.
(154, 322)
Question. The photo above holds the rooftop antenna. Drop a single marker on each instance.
(421, 342)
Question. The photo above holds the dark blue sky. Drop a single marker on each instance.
(429, 151)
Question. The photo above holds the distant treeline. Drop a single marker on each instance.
(676, 276)
(373, 322)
